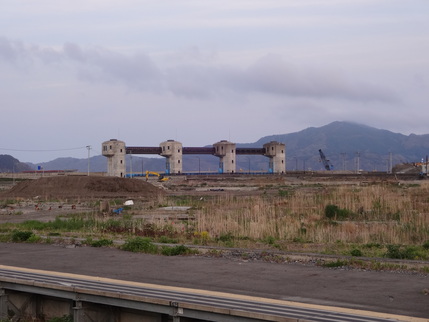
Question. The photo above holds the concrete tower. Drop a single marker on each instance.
(225, 150)
(172, 151)
(277, 153)
(115, 151)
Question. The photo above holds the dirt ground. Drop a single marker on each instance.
(80, 187)
(388, 292)
(402, 293)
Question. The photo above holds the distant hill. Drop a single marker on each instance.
(347, 145)
(9, 164)
(99, 164)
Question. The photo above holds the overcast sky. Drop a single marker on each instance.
(77, 73)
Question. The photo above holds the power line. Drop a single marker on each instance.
(53, 150)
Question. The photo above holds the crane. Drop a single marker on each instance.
(327, 164)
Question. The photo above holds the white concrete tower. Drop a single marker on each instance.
(277, 153)
(172, 151)
(115, 151)
(226, 151)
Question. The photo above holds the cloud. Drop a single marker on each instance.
(11, 51)
(137, 71)
(198, 79)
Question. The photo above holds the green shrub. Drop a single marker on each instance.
(21, 236)
(140, 244)
(334, 212)
(34, 239)
(393, 251)
(167, 240)
(356, 252)
(33, 225)
(64, 318)
(409, 252)
(414, 252)
(72, 224)
(226, 237)
(101, 243)
(270, 240)
(426, 245)
(283, 193)
(372, 245)
(175, 251)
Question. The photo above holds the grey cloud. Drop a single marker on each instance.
(137, 71)
(195, 81)
(17, 52)
(74, 52)
(11, 51)
(200, 80)
(272, 75)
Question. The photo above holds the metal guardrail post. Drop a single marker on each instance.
(78, 312)
(3, 304)
(177, 311)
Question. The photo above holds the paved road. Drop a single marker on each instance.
(394, 293)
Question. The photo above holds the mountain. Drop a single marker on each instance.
(9, 164)
(99, 164)
(348, 146)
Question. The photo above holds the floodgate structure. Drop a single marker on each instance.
(115, 151)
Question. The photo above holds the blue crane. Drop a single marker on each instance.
(327, 164)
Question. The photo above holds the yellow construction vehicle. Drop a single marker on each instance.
(160, 176)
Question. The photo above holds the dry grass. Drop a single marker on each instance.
(384, 213)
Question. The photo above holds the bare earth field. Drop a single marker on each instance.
(397, 292)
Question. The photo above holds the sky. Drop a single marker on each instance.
(77, 73)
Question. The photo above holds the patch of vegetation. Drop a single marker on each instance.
(34, 239)
(227, 239)
(356, 252)
(372, 245)
(21, 236)
(72, 224)
(201, 237)
(101, 243)
(167, 240)
(6, 202)
(405, 252)
(175, 251)
(336, 213)
(140, 245)
(64, 318)
(284, 193)
(270, 240)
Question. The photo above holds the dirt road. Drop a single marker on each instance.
(395, 293)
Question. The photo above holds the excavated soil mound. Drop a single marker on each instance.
(82, 187)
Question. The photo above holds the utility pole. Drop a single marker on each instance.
(357, 161)
(343, 155)
(390, 162)
(199, 165)
(89, 149)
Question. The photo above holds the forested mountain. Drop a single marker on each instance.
(9, 164)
